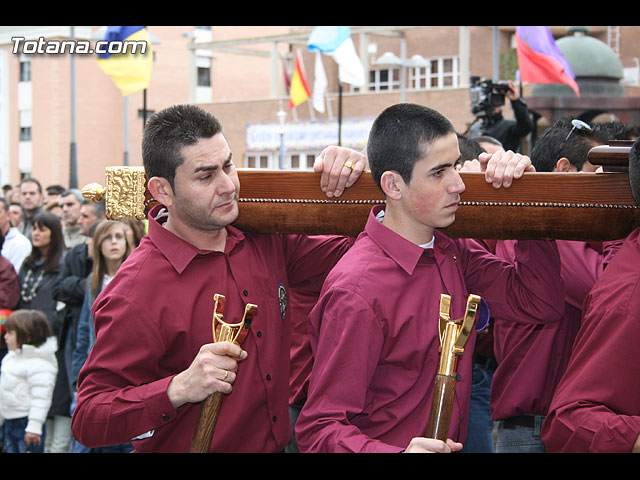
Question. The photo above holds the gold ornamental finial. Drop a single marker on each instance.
(94, 192)
(124, 192)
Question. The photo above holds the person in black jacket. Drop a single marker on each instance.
(75, 268)
(38, 278)
(509, 132)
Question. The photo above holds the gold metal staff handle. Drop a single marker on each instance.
(222, 332)
(453, 337)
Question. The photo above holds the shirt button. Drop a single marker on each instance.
(245, 293)
(275, 419)
(166, 418)
(259, 333)
(268, 377)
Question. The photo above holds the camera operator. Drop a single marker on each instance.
(492, 123)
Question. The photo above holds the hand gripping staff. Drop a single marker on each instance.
(222, 332)
(453, 336)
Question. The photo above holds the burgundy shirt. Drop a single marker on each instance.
(374, 333)
(532, 357)
(301, 356)
(157, 312)
(596, 407)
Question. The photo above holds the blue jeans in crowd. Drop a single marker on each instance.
(13, 430)
(77, 447)
(480, 430)
(520, 438)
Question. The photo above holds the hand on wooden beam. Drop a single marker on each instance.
(340, 168)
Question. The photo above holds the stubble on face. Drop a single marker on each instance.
(206, 187)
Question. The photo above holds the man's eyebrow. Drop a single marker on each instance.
(444, 165)
(210, 168)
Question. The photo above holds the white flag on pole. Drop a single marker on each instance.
(319, 84)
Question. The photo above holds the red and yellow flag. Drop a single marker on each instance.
(299, 90)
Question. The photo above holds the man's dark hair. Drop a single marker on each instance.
(32, 180)
(401, 135)
(613, 130)
(470, 149)
(488, 139)
(168, 131)
(99, 208)
(55, 189)
(553, 145)
(634, 170)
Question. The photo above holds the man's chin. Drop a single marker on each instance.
(231, 215)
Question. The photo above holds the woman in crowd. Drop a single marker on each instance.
(38, 277)
(109, 247)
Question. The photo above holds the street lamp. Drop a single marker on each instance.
(391, 60)
(282, 115)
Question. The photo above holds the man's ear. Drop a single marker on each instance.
(392, 185)
(161, 190)
(563, 165)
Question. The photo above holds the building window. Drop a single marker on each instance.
(292, 161)
(257, 161)
(25, 70)
(25, 134)
(204, 77)
(203, 65)
(441, 73)
(384, 79)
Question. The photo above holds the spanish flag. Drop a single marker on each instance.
(125, 57)
(299, 90)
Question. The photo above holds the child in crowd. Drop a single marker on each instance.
(27, 378)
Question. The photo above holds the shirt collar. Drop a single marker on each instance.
(176, 250)
(405, 253)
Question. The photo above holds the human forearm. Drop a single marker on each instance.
(116, 416)
(522, 281)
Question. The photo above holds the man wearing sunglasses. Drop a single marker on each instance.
(595, 406)
(532, 358)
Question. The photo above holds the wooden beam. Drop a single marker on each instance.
(569, 206)
(580, 206)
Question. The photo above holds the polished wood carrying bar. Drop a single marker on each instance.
(570, 206)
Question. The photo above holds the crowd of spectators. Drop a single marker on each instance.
(47, 258)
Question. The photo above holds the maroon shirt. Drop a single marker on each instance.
(596, 406)
(532, 357)
(374, 333)
(157, 312)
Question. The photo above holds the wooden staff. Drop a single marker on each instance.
(210, 408)
(453, 337)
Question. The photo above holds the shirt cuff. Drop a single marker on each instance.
(159, 405)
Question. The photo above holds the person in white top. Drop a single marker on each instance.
(27, 378)
(16, 247)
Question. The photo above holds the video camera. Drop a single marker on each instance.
(485, 95)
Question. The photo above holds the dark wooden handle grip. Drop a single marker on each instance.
(207, 418)
(441, 407)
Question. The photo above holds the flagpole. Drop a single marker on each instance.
(126, 131)
(339, 113)
(73, 161)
